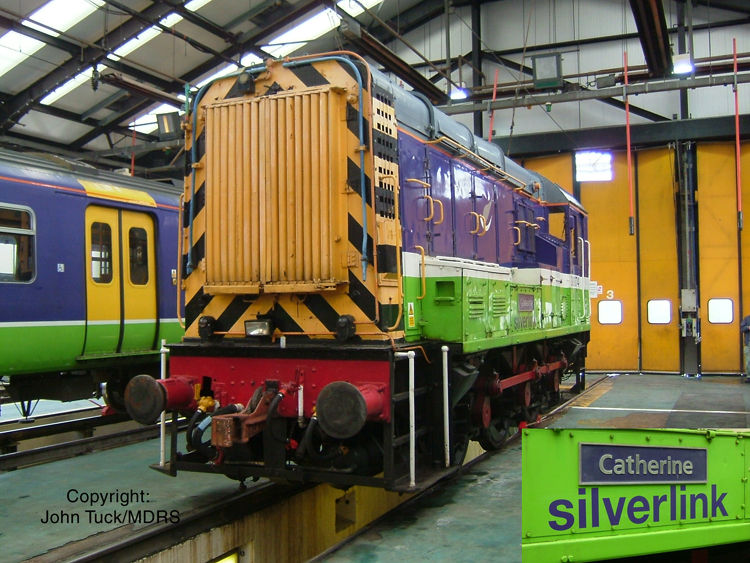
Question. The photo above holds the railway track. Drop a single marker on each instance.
(114, 546)
(13, 434)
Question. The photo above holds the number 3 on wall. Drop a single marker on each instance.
(610, 294)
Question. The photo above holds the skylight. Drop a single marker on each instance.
(314, 27)
(58, 14)
(123, 51)
(593, 166)
(147, 123)
(69, 86)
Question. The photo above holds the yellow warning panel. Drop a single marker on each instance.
(718, 258)
(116, 193)
(659, 272)
(745, 287)
(614, 318)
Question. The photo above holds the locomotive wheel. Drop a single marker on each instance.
(530, 414)
(114, 393)
(459, 447)
(555, 395)
(494, 437)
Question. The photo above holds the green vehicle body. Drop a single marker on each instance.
(714, 512)
(21, 352)
(484, 306)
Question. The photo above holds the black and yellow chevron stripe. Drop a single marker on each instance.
(373, 301)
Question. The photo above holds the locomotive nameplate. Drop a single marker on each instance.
(525, 303)
(615, 464)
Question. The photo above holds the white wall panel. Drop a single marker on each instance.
(504, 27)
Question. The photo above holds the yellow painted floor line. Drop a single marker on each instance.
(654, 410)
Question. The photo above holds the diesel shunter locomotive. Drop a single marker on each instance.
(368, 287)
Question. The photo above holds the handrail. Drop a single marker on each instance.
(479, 222)
(424, 275)
(518, 230)
(180, 220)
(420, 182)
(528, 224)
(583, 258)
(432, 207)
(442, 212)
(481, 160)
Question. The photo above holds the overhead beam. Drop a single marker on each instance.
(609, 101)
(76, 50)
(112, 123)
(20, 104)
(127, 151)
(157, 23)
(200, 21)
(652, 32)
(246, 43)
(642, 134)
(582, 95)
(739, 6)
(391, 62)
(12, 139)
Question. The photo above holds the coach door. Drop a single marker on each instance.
(120, 281)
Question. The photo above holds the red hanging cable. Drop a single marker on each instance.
(132, 156)
(492, 113)
(630, 159)
(737, 138)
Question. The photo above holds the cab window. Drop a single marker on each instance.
(101, 252)
(17, 244)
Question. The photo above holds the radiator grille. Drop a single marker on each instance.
(499, 305)
(476, 306)
(274, 215)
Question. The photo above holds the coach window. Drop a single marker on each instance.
(138, 256)
(101, 253)
(659, 312)
(17, 244)
(610, 312)
(720, 311)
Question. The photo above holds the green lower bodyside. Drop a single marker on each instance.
(45, 348)
(563, 520)
(484, 313)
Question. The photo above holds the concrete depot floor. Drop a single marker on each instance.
(12, 411)
(27, 494)
(444, 525)
(660, 401)
(476, 517)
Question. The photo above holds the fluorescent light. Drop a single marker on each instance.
(16, 48)
(196, 5)
(250, 60)
(138, 41)
(58, 14)
(354, 9)
(458, 94)
(68, 87)
(63, 14)
(223, 72)
(681, 64)
(123, 51)
(312, 28)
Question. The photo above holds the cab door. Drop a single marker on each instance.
(120, 281)
(103, 303)
(138, 281)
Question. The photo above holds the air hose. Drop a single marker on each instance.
(195, 438)
(307, 446)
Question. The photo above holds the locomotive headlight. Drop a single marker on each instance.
(258, 328)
